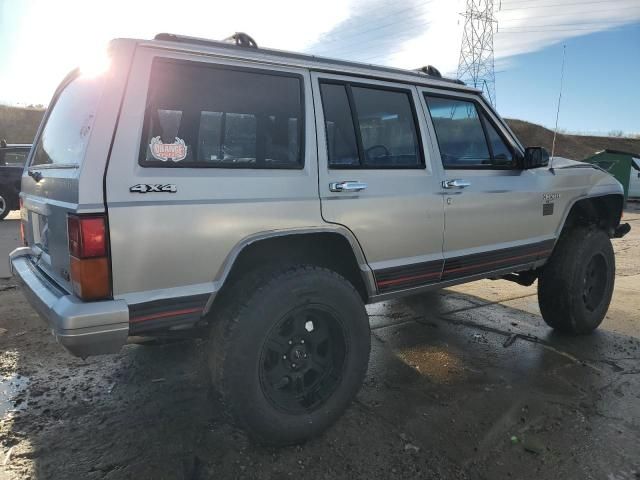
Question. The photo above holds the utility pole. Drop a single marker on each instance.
(475, 66)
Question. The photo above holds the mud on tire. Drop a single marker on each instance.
(576, 284)
(288, 352)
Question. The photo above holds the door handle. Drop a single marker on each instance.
(349, 186)
(456, 183)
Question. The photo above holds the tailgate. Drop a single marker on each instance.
(65, 170)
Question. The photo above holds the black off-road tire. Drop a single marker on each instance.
(576, 284)
(255, 315)
(5, 207)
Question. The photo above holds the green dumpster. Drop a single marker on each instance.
(617, 163)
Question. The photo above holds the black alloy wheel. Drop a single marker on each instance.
(302, 359)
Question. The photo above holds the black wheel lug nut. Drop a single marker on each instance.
(293, 365)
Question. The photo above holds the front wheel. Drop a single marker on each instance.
(576, 285)
(289, 352)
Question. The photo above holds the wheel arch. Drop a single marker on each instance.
(331, 247)
(603, 211)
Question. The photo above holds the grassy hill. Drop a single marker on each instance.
(576, 147)
(19, 125)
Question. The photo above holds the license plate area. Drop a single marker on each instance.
(40, 228)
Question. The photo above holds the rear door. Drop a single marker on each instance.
(376, 177)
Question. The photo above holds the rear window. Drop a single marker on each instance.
(213, 116)
(69, 123)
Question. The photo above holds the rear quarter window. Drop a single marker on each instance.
(201, 116)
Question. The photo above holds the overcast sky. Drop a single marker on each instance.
(41, 40)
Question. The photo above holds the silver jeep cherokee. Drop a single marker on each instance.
(264, 197)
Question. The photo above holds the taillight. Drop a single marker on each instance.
(90, 275)
(87, 236)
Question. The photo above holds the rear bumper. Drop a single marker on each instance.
(83, 328)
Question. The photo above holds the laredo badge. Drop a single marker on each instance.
(175, 151)
(547, 206)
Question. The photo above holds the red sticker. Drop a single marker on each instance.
(175, 151)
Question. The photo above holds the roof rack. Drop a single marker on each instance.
(242, 41)
(430, 70)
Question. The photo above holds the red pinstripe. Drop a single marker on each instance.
(459, 269)
(173, 313)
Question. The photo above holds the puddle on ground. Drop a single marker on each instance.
(440, 365)
(10, 387)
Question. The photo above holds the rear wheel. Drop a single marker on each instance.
(4, 205)
(289, 352)
(576, 285)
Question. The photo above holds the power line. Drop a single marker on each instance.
(542, 5)
(552, 31)
(566, 14)
(358, 33)
(351, 48)
(582, 24)
(555, 5)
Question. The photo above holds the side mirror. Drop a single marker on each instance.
(535, 157)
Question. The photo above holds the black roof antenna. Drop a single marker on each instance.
(242, 40)
(555, 131)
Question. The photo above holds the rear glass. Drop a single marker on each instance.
(69, 123)
(211, 116)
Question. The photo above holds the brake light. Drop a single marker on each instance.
(87, 237)
(90, 268)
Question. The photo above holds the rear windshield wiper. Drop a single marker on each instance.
(34, 170)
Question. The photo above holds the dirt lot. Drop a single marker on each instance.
(464, 383)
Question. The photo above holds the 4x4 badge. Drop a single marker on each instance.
(148, 188)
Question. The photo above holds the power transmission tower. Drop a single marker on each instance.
(475, 66)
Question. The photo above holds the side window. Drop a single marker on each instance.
(15, 158)
(342, 146)
(387, 128)
(201, 115)
(461, 135)
(368, 127)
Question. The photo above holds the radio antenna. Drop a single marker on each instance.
(555, 132)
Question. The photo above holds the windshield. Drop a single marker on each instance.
(70, 121)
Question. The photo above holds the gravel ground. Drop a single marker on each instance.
(467, 382)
